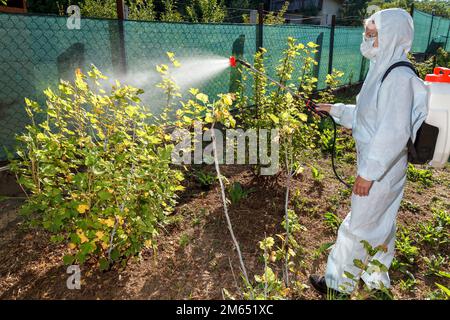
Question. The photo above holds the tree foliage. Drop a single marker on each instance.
(206, 11)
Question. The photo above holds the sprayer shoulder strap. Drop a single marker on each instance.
(399, 64)
(412, 152)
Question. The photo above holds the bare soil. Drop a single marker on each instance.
(196, 258)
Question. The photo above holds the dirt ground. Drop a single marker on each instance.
(196, 258)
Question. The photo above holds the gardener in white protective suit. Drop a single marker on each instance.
(385, 116)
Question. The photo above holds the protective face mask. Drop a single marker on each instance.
(367, 48)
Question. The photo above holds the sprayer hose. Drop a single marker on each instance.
(333, 152)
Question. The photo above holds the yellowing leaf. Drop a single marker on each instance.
(72, 245)
(179, 188)
(193, 91)
(82, 208)
(228, 100)
(303, 117)
(82, 236)
(109, 222)
(202, 97)
(162, 68)
(99, 234)
(274, 118)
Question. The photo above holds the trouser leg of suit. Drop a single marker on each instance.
(372, 218)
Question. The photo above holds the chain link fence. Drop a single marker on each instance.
(38, 50)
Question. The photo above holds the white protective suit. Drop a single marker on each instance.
(384, 118)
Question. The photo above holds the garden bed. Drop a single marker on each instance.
(195, 252)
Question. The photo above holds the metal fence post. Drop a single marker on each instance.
(330, 58)
(431, 28)
(122, 63)
(446, 38)
(411, 10)
(318, 55)
(260, 27)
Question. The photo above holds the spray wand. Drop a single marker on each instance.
(309, 104)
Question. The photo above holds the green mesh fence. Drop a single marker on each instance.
(426, 41)
(275, 41)
(36, 51)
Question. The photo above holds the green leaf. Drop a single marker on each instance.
(90, 160)
(68, 259)
(274, 118)
(349, 275)
(444, 289)
(104, 264)
(104, 195)
(359, 264)
(303, 117)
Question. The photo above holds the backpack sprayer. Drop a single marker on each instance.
(310, 105)
(436, 127)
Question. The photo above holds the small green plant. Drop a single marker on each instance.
(408, 284)
(236, 193)
(423, 176)
(322, 249)
(349, 158)
(304, 204)
(369, 266)
(436, 232)
(317, 175)
(326, 142)
(410, 206)
(434, 264)
(444, 291)
(205, 179)
(345, 192)
(401, 266)
(196, 221)
(184, 240)
(332, 221)
(405, 248)
(269, 285)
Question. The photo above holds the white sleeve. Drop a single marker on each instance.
(343, 114)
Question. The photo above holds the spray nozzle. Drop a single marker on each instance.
(233, 61)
